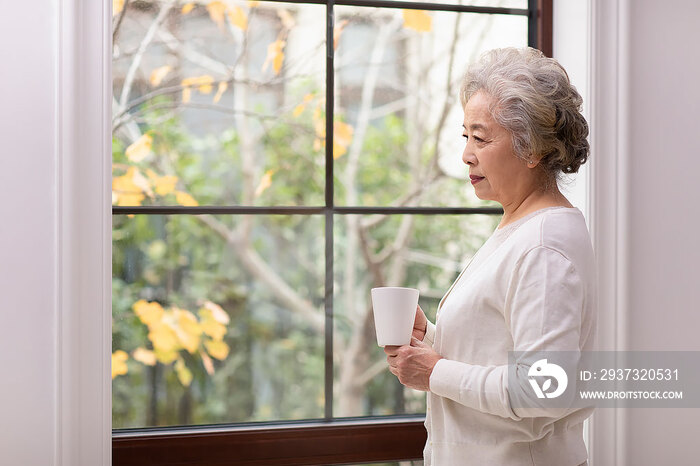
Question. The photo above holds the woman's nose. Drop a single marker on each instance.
(468, 156)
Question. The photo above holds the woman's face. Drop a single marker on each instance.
(489, 154)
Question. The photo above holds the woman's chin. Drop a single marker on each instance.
(482, 196)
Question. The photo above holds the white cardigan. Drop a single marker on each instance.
(532, 286)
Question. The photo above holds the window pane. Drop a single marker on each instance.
(220, 105)
(212, 331)
(419, 251)
(398, 129)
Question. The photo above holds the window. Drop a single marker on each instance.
(257, 199)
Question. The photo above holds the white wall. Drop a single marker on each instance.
(28, 250)
(664, 222)
(570, 46)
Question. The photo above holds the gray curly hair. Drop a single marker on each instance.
(533, 98)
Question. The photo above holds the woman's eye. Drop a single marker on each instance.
(476, 138)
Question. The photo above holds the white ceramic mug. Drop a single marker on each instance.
(394, 314)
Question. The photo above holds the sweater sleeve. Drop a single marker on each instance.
(543, 309)
(429, 337)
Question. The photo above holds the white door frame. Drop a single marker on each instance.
(609, 201)
(84, 335)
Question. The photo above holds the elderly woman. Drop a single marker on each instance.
(531, 287)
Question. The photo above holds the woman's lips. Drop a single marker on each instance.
(475, 179)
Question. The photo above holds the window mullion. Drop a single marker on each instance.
(329, 212)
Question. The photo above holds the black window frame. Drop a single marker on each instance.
(330, 440)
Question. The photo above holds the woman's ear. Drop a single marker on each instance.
(533, 160)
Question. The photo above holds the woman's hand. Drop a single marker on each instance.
(420, 324)
(413, 363)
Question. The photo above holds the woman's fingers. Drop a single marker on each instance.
(392, 350)
(418, 343)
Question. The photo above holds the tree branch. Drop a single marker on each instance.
(193, 55)
(280, 289)
(218, 108)
(256, 266)
(372, 371)
(217, 227)
(376, 219)
(119, 21)
(131, 131)
(148, 38)
(368, 87)
(448, 96)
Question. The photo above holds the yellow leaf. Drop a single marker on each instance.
(337, 31)
(265, 182)
(165, 356)
(299, 109)
(223, 85)
(338, 150)
(117, 7)
(217, 312)
(187, 329)
(214, 329)
(164, 340)
(186, 94)
(319, 123)
(126, 190)
(237, 17)
(418, 20)
(165, 184)
(217, 10)
(144, 356)
(119, 358)
(203, 83)
(183, 373)
(210, 326)
(217, 349)
(141, 182)
(320, 127)
(153, 176)
(208, 363)
(158, 74)
(342, 132)
(277, 62)
(185, 199)
(275, 56)
(187, 7)
(150, 313)
(130, 200)
(342, 138)
(140, 148)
